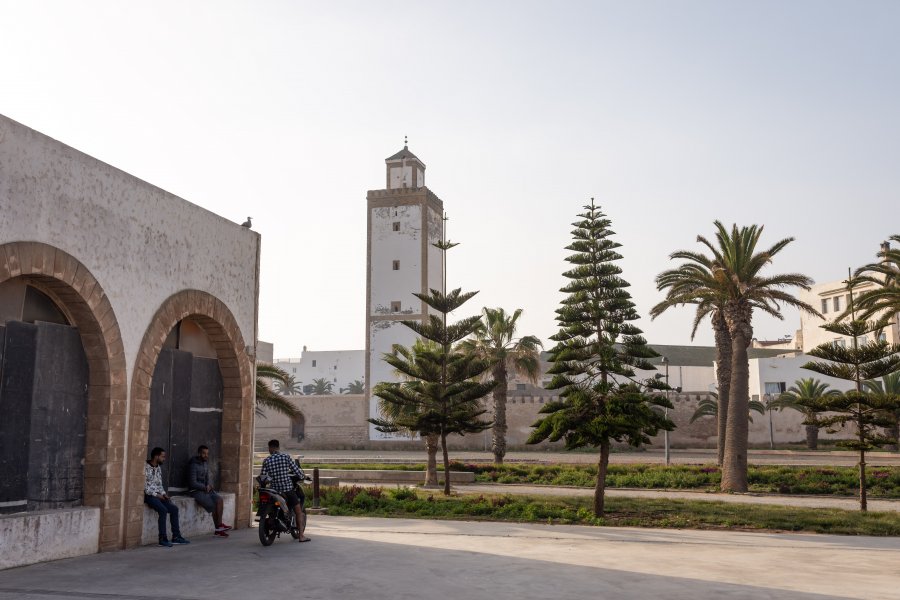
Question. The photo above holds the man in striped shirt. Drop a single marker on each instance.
(280, 467)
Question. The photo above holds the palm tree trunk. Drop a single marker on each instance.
(734, 461)
(498, 439)
(431, 447)
(446, 464)
(812, 437)
(723, 379)
(600, 487)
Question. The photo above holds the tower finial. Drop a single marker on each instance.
(405, 141)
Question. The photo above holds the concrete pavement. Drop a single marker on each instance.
(394, 559)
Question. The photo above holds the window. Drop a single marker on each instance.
(396, 225)
(837, 304)
(774, 388)
(882, 337)
(864, 340)
(520, 386)
(335, 367)
(824, 305)
(396, 265)
(294, 370)
(395, 306)
(840, 343)
(314, 363)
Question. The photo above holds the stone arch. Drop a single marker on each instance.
(237, 400)
(82, 299)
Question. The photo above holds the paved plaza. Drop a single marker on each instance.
(409, 559)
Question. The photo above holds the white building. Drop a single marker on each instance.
(338, 367)
(831, 299)
(404, 221)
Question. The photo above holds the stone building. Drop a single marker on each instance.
(127, 320)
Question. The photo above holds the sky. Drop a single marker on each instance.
(670, 114)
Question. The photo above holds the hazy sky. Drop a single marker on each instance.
(671, 114)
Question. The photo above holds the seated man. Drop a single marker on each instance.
(156, 498)
(200, 487)
(279, 467)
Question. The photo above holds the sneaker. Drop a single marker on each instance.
(221, 534)
(165, 542)
(223, 527)
(179, 540)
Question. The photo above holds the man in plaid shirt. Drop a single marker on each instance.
(279, 467)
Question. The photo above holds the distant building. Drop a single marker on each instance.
(831, 299)
(340, 368)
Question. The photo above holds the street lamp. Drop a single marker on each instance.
(665, 361)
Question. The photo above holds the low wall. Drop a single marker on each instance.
(27, 538)
(393, 475)
(192, 518)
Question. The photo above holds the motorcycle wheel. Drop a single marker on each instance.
(267, 527)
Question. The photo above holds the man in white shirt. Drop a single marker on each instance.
(155, 497)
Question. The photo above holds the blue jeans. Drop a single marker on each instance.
(164, 507)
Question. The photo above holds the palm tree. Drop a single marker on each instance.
(289, 387)
(709, 407)
(322, 387)
(888, 386)
(885, 298)
(693, 282)
(356, 387)
(495, 341)
(737, 266)
(800, 397)
(266, 397)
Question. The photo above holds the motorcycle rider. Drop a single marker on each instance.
(279, 467)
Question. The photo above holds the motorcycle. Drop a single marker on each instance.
(273, 514)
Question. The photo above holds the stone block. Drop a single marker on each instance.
(49, 535)
(194, 521)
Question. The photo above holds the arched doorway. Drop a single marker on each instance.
(220, 328)
(63, 304)
(186, 403)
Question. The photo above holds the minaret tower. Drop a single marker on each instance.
(404, 220)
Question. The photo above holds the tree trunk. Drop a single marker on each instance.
(723, 378)
(446, 464)
(431, 446)
(812, 437)
(498, 439)
(600, 488)
(863, 504)
(734, 461)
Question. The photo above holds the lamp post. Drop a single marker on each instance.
(665, 361)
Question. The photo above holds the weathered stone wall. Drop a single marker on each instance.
(338, 423)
